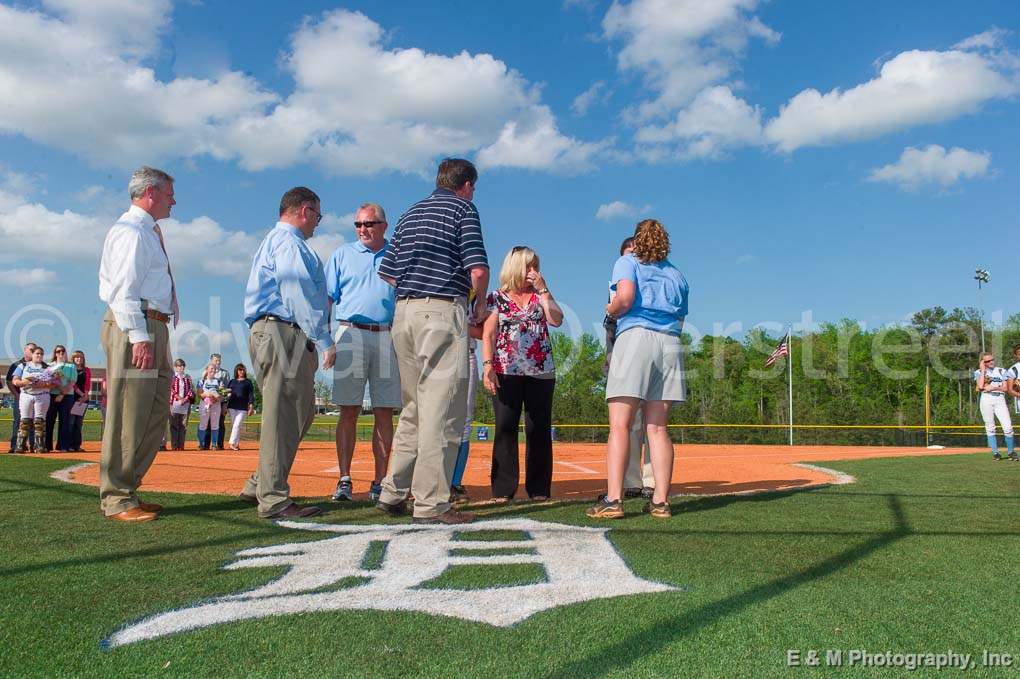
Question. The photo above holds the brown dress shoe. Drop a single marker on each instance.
(295, 511)
(134, 515)
(150, 507)
(449, 517)
(395, 509)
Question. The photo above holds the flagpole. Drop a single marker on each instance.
(789, 375)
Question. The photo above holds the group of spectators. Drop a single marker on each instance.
(400, 317)
(218, 396)
(39, 411)
(407, 316)
(49, 396)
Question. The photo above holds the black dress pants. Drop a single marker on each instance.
(535, 395)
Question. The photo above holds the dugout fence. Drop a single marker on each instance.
(967, 436)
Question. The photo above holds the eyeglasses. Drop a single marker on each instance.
(60, 351)
(368, 225)
(318, 215)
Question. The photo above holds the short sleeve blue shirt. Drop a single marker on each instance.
(352, 281)
(660, 301)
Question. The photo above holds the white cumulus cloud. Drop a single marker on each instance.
(69, 236)
(991, 39)
(333, 232)
(594, 94)
(618, 209)
(912, 88)
(75, 81)
(27, 279)
(933, 165)
(680, 47)
(77, 76)
(533, 142)
(715, 121)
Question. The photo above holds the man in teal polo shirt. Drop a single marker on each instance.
(363, 311)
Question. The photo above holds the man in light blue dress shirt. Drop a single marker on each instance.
(363, 313)
(286, 307)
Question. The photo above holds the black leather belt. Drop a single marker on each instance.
(277, 319)
(309, 344)
(371, 327)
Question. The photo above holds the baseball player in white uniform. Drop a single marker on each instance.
(994, 383)
(1014, 374)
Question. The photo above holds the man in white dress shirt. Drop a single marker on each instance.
(136, 283)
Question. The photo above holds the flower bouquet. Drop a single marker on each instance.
(50, 378)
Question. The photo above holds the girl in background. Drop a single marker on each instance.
(82, 387)
(240, 403)
(994, 383)
(33, 403)
(61, 401)
(209, 407)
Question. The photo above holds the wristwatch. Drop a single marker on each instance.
(542, 291)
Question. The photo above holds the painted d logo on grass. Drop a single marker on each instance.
(388, 568)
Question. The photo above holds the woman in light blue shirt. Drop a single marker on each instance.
(647, 369)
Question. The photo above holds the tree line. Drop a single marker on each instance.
(843, 374)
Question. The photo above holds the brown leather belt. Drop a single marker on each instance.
(441, 298)
(156, 315)
(371, 327)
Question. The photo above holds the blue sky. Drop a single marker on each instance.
(852, 161)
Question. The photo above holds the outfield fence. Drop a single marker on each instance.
(738, 434)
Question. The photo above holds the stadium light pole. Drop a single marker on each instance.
(981, 276)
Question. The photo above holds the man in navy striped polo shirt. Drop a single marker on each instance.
(436, 256)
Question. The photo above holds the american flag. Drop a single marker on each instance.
(781, 350)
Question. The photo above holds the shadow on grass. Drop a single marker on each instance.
(628, 650)
(54, 487)
(139, 553)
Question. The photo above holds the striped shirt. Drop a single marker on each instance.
(436, 243)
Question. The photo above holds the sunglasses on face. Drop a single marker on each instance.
(367, 225)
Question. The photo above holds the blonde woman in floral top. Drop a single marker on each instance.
(518, 370)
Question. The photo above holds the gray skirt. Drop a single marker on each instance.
(647, 365)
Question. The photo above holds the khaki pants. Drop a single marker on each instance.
(638, 474)
(285, 366)
(430, 340)
(136, 410)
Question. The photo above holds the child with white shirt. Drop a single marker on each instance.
(209, 407)
(33, 402)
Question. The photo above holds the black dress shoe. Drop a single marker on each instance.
(295, 511)
(248, 499)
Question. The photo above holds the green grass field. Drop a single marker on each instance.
(918, 555)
